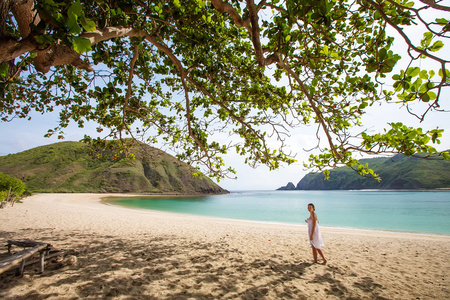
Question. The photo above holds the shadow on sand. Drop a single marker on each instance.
(147, 267)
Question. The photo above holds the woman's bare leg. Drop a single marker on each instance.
(314, 250)
(321, 254)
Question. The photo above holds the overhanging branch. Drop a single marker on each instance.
(433, 4)
(58, 54)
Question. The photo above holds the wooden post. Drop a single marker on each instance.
(9, 192)
(19, 258)
(42, 262)
(21, 267)
(5, 201)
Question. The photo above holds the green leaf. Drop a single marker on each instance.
(382, 54)
(72, 24)
(335, 55)
(424, 88)
(60, 18)
(4, 70)
(425, 42)
(413, 72)
(432, 95)
(425, 97)
(44, 39)
(390, 62)
(88, 24)
(441, 21)
(398, 86)
(436, 46)
(446, 155)
(76, 9)
(417, 84)
(201, 3)
(441, 74)
(371, 68)
(81, 45)
(423, 74)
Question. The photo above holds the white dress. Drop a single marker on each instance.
(316, 242)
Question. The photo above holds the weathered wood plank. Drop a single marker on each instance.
(24, 243)
(20, 257)
(34, 261)
(41, 262)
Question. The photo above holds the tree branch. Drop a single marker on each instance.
(403, 34)
(130, 76)
(179, 66)
(11, 48)
(224, 7)
(433, 4)
(107, 33)
(58, 54)
(313, 106)
(274, 58)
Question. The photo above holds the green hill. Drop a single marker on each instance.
(397, 172)
(68, 167)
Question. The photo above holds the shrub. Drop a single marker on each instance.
(7, 182)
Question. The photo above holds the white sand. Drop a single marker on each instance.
(138, 254)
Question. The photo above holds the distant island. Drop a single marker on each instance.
(68, 167)
(399, 172)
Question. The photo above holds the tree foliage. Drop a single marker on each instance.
(178, 71)
(11, 186)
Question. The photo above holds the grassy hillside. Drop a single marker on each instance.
(398, 172)
(68, 167)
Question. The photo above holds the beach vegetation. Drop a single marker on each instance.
(11, 189)
(181, 73)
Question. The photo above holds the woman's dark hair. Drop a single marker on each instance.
(312, 205)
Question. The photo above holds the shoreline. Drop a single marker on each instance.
(285, 224)
(126, 252)
(105, 201)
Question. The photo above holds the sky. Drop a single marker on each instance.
(21, 134)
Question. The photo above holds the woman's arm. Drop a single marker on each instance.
(313, 219)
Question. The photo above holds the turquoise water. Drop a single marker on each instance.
(410, 211)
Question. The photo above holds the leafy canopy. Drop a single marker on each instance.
(178, 71)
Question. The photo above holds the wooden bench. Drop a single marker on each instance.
(19, 259)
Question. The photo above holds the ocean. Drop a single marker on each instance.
(425, 212)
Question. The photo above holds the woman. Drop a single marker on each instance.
(315, 238)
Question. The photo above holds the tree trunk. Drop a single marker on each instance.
(53, 55)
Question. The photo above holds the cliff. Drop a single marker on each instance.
(397, 172)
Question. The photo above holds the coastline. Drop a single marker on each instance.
(106, 202)
(397, 220)
(125, 252)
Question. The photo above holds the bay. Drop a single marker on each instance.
(406, 211)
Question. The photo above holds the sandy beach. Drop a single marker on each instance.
(120, 253)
